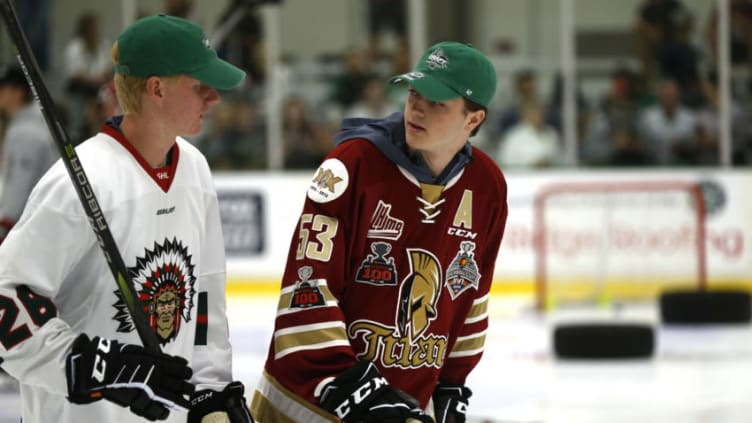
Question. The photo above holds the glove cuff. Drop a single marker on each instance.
(349, 394)
(230, 401)
(451, 402)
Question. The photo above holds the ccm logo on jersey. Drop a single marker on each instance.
(359, 395)
(329, 182)
(462, 233)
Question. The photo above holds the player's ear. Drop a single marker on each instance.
(154, 87)
(473, 119)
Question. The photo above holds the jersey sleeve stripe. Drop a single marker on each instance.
(279, 352)
(310, 328)
(469, 343)
(308, 337)
(458, 354)
(476, 319)
(274, 403)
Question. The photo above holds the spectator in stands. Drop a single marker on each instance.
(525, 91)
(35, 16)
(348, 86)
(28, 149)
(373, 103)
(740, 14)
(554, 111)
(303, 146)
(242, 42)
(386, 22)
(532, 142)
(664, 31)
(740, 40)
(237, 137)
(708, 128)
(669, 128)
(87, 67)
(614, 121)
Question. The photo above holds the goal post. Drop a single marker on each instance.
(599, 242)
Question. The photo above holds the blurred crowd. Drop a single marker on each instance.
(659, 108)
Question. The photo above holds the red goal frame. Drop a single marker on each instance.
(578, 187)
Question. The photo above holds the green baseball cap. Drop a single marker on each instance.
(450, 70)
(163, 45)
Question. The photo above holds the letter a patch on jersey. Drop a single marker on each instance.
(463, 273)
(307, 293)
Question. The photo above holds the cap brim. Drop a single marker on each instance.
(428, 86)
(220, 75)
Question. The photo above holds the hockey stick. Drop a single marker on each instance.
(78, 177)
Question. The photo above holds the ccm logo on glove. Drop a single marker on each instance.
(100, 365)
(360, 394)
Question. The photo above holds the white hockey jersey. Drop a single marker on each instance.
(55, 282)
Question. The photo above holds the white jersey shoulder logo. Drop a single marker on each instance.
(329, 182)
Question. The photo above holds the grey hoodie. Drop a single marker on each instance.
(388, 135)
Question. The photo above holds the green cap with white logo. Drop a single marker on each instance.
(163, 45)
(450, 70)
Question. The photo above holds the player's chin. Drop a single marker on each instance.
(415, 140)
(194, 129)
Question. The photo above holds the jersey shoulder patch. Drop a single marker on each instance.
(329, 182)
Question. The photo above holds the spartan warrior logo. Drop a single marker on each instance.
(419, 294)
(306, 294)
(375, 269)
(463, 273)
(164, 281)
(437, 60)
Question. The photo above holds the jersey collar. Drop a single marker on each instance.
(162, 176)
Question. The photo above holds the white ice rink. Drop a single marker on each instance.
(698, 375)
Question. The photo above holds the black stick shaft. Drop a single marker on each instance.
(78, 177)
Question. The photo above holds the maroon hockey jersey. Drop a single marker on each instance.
(387, 269)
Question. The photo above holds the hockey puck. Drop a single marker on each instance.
(603, 340)
(706, 307)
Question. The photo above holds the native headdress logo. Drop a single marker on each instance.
(164, 280)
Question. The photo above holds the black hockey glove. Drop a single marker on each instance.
(228, 406)
(361, 395)
(450, 403)
(151, 384)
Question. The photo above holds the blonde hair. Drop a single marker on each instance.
(129, 89)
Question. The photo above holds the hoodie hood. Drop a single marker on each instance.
(388, 135)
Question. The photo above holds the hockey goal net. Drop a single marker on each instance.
(617, 241)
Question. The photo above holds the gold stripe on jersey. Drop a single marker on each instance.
(469, 345)
(274, 403)
(285, 296)
(478, 311)
(431, 193)
(309, 337)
